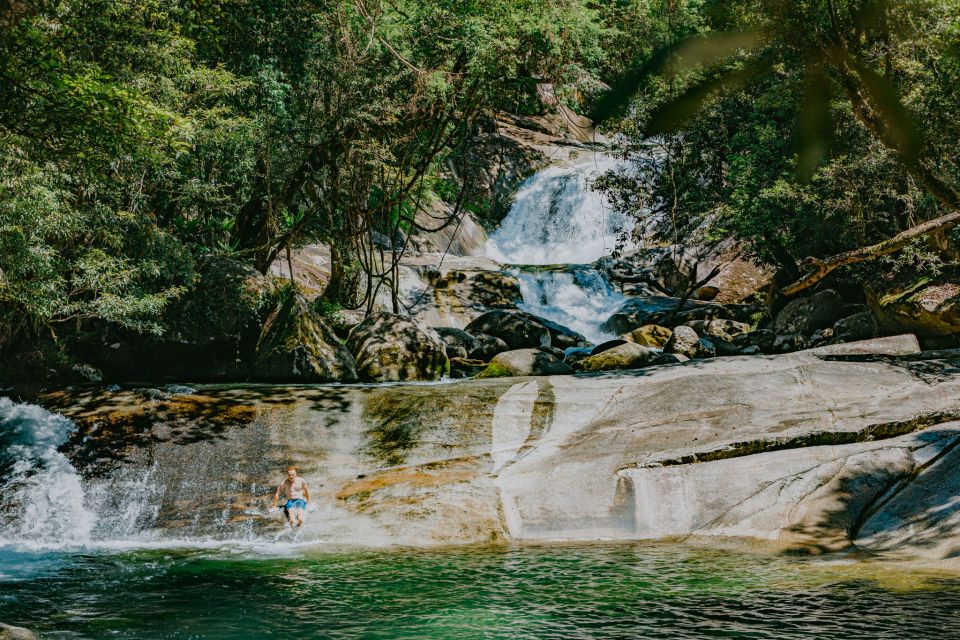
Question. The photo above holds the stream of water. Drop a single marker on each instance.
(555, 229)
(79, 559)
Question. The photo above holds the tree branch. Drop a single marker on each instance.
(821, 268)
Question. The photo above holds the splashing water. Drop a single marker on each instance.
(556, 218)
(580, 298)
(43, 499)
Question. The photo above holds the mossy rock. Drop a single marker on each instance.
(925, 307)
(649, 335)
(393, 348)
(296, 345)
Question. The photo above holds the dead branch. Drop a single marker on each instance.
(819, 269)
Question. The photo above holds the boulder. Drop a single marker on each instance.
(391, 348)
(902, 345)
(859, 326)
(684, 341)
(525, 362)
(487, 347)
(522, 330)
(927, 308)
(518, 330)
(649, 335)
(627, 355)
(605, 346)
(10, 632)
(296, 345)
(561, 337)
(460, 344)
(226, 304)
(806, 315)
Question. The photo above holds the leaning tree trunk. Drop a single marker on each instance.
(346, 275)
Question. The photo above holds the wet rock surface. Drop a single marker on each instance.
(803, 316)
(800, 449)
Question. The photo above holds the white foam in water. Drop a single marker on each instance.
(42, 502)
(580, 299)
(556, 218)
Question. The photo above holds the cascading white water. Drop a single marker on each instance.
(43, 498)
(557, 219)
(578, 298)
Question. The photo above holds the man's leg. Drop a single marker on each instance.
(299, 513)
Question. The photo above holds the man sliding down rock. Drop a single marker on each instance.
(298, 495)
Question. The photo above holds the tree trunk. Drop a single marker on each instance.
(346, 276)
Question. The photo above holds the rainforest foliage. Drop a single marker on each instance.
(803, 130)
(138, 137)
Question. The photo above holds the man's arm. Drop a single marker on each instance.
(306, 490)
(276, 495)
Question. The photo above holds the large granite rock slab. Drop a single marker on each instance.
(810, 450)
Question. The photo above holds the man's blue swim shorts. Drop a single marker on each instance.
(295, 504)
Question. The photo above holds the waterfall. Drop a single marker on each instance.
(578, 297)
(42, 500)
(556, 219)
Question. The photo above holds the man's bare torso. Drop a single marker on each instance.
(293, 490)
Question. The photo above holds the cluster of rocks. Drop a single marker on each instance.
(240, 325)
(510, 342)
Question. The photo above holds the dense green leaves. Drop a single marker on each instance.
(813, 138)
(137, 137)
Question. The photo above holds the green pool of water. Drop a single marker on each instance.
(565, 591)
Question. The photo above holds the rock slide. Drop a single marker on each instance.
(807, 450)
